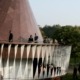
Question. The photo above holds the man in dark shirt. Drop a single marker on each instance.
(75, 73)
(79, 68)
(36, 38)
(30, 39)
(10, 36)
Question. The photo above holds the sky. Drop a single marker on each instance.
(52, 12)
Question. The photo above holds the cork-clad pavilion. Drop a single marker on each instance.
(16, 16)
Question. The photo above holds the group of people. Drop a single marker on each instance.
(33, 39)
(47, 40)
(57, 70)
(50, 68)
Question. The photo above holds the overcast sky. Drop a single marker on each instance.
(50, 12)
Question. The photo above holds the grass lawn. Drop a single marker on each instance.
(69, 77)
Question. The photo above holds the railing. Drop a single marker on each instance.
(33, 61)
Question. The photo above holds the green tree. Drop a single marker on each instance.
(66, 35)
(49, 30)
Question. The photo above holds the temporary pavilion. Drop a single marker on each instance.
(20, 60)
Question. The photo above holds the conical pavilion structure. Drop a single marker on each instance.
(20, 60)
(16, 16)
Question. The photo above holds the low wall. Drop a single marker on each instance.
(33, 61)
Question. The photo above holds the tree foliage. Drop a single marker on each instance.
(66, 35)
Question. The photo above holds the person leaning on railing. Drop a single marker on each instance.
(35, 38)
(10, 36)
(30, 40)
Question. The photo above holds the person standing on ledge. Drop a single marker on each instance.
(75, 73)
(10, 36)
(35, 38)
(79, 68)
(30, 40)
